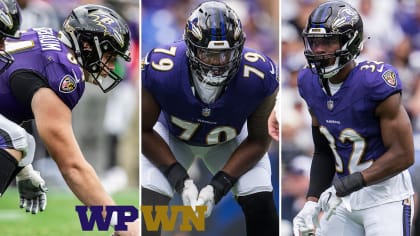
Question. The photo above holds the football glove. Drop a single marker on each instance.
(32, 190)
(206, 197)
(348, 184)
(329, 201)
(189, 193)
(211, 194)
(303, 221)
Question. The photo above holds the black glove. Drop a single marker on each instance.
(176, 175)
(222, 183)
(348, 184)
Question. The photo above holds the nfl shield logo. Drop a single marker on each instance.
(330, 105)
(206, 112)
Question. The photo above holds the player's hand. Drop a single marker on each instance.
(329, 201)
(189, 193)
(273, 126)
(302, 223)
(132, 229)
(206, 197)
(32, 190)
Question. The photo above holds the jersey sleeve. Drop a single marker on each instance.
(67, 82)
(383, 82)
(146, 82)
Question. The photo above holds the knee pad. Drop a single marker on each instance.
(261, 215)
(152, 198)
(8, 170)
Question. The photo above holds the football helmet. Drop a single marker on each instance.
(215, 39)
(10, 20)
(98, 35)
(333, 21)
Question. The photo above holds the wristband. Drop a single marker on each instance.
(176, 175)
(348, 184)
(222, 183)
(25, 172)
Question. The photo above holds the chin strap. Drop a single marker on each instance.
(324, 83)
(66, 41)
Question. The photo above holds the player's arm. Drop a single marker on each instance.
(273, 123)
(397, 137)
(159, 153)
(251, 150)
(153, 146)
(322, 173)
(322, 166)
(246, 155)
(54, 123)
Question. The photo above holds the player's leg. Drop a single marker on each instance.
(8, 170)
(390, 219)
(156, 190)
(253, 189)
(254, 193)
(341, 223)
(152, 198)
(260, 212)
(17, 149)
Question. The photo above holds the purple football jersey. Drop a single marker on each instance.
(40, 51)
(166, 76)
(347, 119)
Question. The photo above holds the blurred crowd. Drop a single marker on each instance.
(163, 21)
(106, 125)
(392, 34)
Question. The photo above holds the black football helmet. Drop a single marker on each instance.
(214, 38)
(104, 31)
(10, 20)
(333, 21)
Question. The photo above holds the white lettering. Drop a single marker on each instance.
(47, 39)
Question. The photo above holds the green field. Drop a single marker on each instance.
(59, 219)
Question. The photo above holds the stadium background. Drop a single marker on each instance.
(394, 30)
(91, 119)
(163, 21)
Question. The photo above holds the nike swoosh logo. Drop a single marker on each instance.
(75, 76)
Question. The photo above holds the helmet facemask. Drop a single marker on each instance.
(10, 20)
(328, 64)
(215, 64)
(97, 61)
(5, 60)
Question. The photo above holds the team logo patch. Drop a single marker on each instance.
(67, 84)
(390, 78)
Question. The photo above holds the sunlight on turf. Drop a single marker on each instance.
(12, 215)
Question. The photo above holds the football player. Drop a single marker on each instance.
(361, 131)
(47, 79)
(209, 97)
(17, 147)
